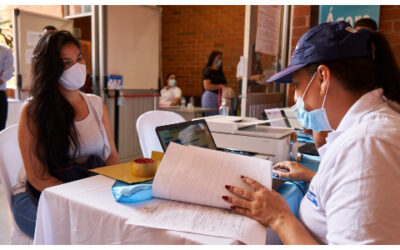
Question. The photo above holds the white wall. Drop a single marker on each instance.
(133, 42)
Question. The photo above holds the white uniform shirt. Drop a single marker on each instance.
(355, 196)
(169, 95)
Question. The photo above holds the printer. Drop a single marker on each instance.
(251, 135)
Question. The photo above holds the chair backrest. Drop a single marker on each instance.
(146, 128)
(10, 160)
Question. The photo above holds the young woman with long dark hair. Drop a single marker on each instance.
(60, 125)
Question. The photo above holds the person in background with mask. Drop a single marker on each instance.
(213, 82)
(170, 94)
(47, 29)
(366, 23)
(59, 124)
(346, 81)
(256, 71)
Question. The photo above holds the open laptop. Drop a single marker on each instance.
(195, 133)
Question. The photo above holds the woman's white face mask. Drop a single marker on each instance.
(74, 77)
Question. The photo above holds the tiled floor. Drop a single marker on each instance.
(5, 220)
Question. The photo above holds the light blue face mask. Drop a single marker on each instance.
(316, 120)
(172, 82)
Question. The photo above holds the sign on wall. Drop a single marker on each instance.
(268, 25)
(348, 13)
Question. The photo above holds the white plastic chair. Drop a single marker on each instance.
(10, 164)
(146, 125)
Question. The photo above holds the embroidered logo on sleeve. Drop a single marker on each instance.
(312, 197)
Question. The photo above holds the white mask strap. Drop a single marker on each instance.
(323, 102)
(305, 91)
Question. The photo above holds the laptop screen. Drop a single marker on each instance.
(194, 133)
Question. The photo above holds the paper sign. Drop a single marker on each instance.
(275, 113)
(32, 37)
(348, 13)
(114, 82)
(28, 56)
(268, 26)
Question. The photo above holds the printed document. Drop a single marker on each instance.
(191, 175)
(192, 218)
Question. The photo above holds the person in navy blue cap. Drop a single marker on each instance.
(346, 81)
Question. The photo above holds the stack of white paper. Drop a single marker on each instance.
(196, 175)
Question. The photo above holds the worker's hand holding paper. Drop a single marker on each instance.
(198, 176)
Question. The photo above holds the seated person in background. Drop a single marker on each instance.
(59, 127)
(170, 94)
(366, 23)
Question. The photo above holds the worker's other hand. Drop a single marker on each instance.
(221, 86)
(294, 171)
(264, 205)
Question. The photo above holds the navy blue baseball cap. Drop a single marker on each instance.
(326, 42)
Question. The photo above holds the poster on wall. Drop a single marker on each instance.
(114, 81)
(348, 13)
(267, 37)
(32, 37)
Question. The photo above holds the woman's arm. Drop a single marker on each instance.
(36, 173)
(113, 158)
(255, 77)
(292, 232)
(295, 171)
(270, 209)
(176, 101)
(209, 86)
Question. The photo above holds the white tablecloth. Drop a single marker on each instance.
(84, 212)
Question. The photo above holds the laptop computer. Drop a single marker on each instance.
(195, 133)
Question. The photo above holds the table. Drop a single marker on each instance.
(188, 114)
(84, 212)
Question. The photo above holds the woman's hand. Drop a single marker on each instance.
(266, 206)
(221, 86)
(295, 171)
(270, 209)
